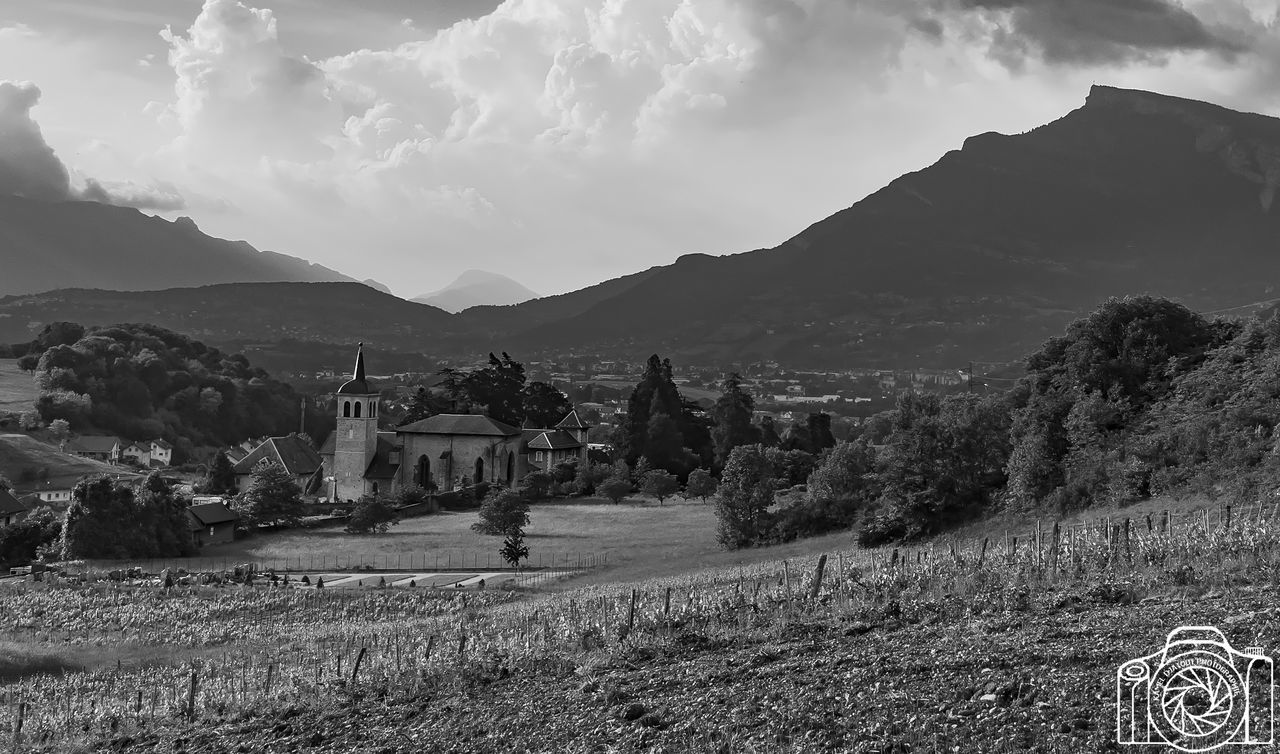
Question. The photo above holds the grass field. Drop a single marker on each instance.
(18, 391)
(639, 538)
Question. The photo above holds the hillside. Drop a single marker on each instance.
(18, 391)
(477, 288)
(986, 252)
(51, 245)
(334, 313)
(31, 464)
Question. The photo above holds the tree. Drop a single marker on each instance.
(589, 476)
(272, 497)
(60, 431)
(221, 478)
(514, 549)
(655, 393)
(111, 520)
(21, 542)
(820, 436)
(536, 485)
(615, 489)
(700, 485)
(424, 405)
(744, 496)
(499, 388)
(664, 444)
(502, 513)
(372, 515)
(843, 473)
(543, 405)
(732, 417)
(659, 484)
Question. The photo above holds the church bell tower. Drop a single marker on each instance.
(356, 438)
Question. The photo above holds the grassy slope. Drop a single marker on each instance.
(18, 452)
(639, 538)
(18, 390)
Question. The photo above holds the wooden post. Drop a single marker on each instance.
(191, 695)
(431, 643)
(1128, 553)
(462, 643)
(1053, 555)
(271, 669)
(1227, 524)
(631, 613)
(17, 728)
(356, 668)
(666, 603)
(817, 577)
(982, 554)
(1039, 547)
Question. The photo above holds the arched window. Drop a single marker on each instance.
(422, 472)
(539, 456)
(346, 408)
(373, 409)
(479, 477)
(357, 409)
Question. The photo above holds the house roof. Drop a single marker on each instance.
(160, 443)
(330, 443)
(554, 440)
(357, 385)
(209, 514)
(93, 444)
(291, 452)
(573, 421)
(10, 505)
(144, 447)
(460, 424)
(381, 466)
(236, 453)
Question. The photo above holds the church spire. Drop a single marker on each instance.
(359, 371)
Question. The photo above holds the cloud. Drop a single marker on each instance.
(238, 91)
(1096, 31)
(30, 168)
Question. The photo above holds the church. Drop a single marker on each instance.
(439, 453)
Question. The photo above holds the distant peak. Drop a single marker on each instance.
(186, 222)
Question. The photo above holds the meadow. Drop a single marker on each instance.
(18, 390)
(282, 651)
(636, 539)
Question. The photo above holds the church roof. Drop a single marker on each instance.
(460, 424)
(381, 466)
(573, 421)
(291, 452)
(554, 440)
(357, 385)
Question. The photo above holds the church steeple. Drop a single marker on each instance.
(358, 374)
(357, 385)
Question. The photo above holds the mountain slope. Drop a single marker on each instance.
(477, 288)
(338, 313)
(987, 251)
(51, 245)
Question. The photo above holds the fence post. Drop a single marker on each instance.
(1227, 526)
(1053, 556)
(631, 614)
(817, 577)
(356, 668)
(17, 728)
(982, 554)
(191, 695)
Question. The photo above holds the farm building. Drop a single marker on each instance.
(212, 523)
(442, 452)
(12, 510)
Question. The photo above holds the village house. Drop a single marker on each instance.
(12, 510)
(212, 523)
(161, 453)
(293, 452)
(442, 453)
(98, 447)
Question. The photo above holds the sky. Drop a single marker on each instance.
(561, 142)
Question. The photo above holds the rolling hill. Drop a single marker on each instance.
(52, 245)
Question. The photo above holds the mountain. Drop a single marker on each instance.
(51, 245)
(240, 313)
(477, 288)
(983, 254)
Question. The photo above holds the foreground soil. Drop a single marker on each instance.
(1040, 678)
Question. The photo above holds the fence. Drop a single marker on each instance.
(414, 562)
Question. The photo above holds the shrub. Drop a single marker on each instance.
(502, 513)
(659, 484)
(811, 518)
(372, 515)
(615, 489)
(536, 485)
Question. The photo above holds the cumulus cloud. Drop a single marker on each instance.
(30, 168)
(237, 87)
